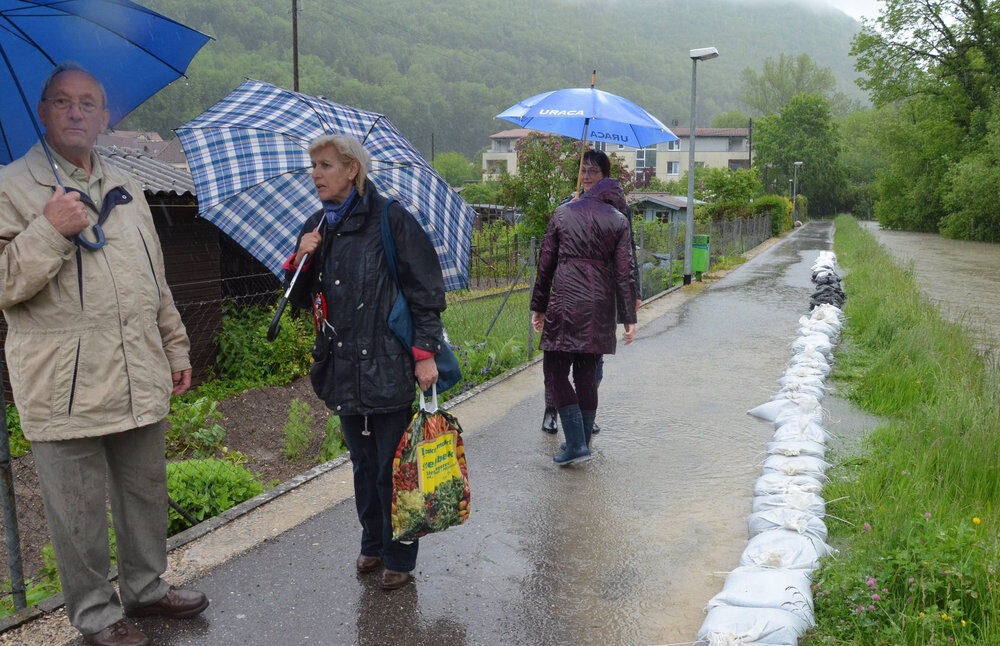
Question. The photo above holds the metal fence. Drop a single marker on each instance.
(489, 325)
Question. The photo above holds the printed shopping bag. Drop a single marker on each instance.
(430, 481)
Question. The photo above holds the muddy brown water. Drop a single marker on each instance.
(961, 278)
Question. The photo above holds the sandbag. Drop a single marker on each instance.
(791, 404)
(802, 427)
(755, 587)
(777, 483)
(818, 342)
(805, 413)
(780, 548)
(793, 448)
(802, 501)
(735, 626)
(798, 388)
(802, 465)
(800, 522)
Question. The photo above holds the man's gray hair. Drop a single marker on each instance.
(70, 66)
(348, 149)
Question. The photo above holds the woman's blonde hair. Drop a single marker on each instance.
(348, 149)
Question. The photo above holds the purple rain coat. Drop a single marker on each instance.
(585, 273)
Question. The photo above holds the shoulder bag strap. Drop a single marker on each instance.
(388, 244)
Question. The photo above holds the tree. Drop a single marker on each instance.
(733, 186)
(455, 168)
(547, 167)
(804, 131)
(487, 192)
(785, 77)
(731, 119)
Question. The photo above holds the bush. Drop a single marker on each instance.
(193, 428)
(780, 209)
(206, 488)
(334, 443)
(245, 353)
(729, 210)
(803, 208)
(297, 430)
(18, 445)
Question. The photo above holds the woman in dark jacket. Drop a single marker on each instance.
(584, 277)
(361, 370)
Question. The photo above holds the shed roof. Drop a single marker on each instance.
(711, 132)
(675, 202)
(155, 176)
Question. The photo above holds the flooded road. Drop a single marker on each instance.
(962, 278)
(625, 549)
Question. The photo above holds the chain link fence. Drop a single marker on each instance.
(488, 324)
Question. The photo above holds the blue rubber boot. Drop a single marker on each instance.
(589, 428)
(576, 443)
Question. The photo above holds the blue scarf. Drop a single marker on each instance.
(335, 212)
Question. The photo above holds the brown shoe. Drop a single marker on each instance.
(368, 564)
(392, 580)
(177, 603)
(121, 633)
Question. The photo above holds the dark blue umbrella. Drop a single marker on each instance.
(133, 51)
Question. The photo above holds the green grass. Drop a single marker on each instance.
(922, 495)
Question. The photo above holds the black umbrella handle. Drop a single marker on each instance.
(275, 327)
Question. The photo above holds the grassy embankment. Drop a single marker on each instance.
(918, 563)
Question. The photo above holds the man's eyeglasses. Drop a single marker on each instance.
(61, 104)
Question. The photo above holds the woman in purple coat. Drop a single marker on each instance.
(584, 278)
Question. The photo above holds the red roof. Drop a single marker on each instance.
(513, 133)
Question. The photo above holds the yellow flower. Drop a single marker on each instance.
(944, 615)
(921, 613)
(976, 520)
(963, 623)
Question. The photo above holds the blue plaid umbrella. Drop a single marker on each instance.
(249, 157)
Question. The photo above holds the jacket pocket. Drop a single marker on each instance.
(65, 376)
(386, 380)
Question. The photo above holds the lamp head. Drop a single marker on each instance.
(704, 53)
(799, 163)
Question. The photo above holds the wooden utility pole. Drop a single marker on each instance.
(295, 45)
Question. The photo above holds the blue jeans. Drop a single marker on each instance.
(371, 456)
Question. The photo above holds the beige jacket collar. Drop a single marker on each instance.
(41, 171)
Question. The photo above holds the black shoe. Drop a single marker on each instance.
(549, 421)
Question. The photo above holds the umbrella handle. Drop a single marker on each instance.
(275, 327)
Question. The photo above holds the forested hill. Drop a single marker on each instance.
(448, 66)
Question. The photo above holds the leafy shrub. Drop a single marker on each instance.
(729, 210)
(780, 209)
(208, 487)
(18, 445)
(297, 430)
(487, 192)
(803, 208)
(334, 443)
(245, 353)
(654, 281)
(193, 428)
(43, 586)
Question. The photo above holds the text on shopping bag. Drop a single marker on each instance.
(438, 462)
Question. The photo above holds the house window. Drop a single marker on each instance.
(673, 168)
(674, 145)
(601, 145)
(621, 146)
(645, 157)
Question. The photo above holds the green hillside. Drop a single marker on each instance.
(448, 66)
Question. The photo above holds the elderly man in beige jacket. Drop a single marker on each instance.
(95, 347)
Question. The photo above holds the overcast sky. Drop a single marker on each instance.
(857, 9)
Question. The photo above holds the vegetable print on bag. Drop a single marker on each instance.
(430, 481)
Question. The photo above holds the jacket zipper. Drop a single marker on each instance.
(79, 274)
(72, 388)
(151, 269)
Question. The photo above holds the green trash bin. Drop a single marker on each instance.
(699, 255)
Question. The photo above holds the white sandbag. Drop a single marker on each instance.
(798, 388)
(780, 548)
(801, 501)
(810, 358)
(817, 325)
(789, 405)
(800, 428)
(735, 626)
(819, 342)
(754, 587)
(802, 465)
(793, 448)
(802, 373)
(800, 522)
(828, 313)
(778, 483)
(806, 412)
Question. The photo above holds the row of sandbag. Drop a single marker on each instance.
(768, 599)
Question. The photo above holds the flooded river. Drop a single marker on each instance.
(962, 278)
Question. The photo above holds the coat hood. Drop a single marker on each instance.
(609, 190)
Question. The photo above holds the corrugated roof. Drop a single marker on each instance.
(664, 199)
(156, 177)
(513, 133)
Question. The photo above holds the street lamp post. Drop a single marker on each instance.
(701, 54)
(795, 192)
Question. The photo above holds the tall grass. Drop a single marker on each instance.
(918, 563)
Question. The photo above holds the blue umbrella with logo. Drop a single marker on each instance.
(589, 114)
(133, 51)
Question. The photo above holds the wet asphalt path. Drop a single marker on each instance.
(625, 549)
